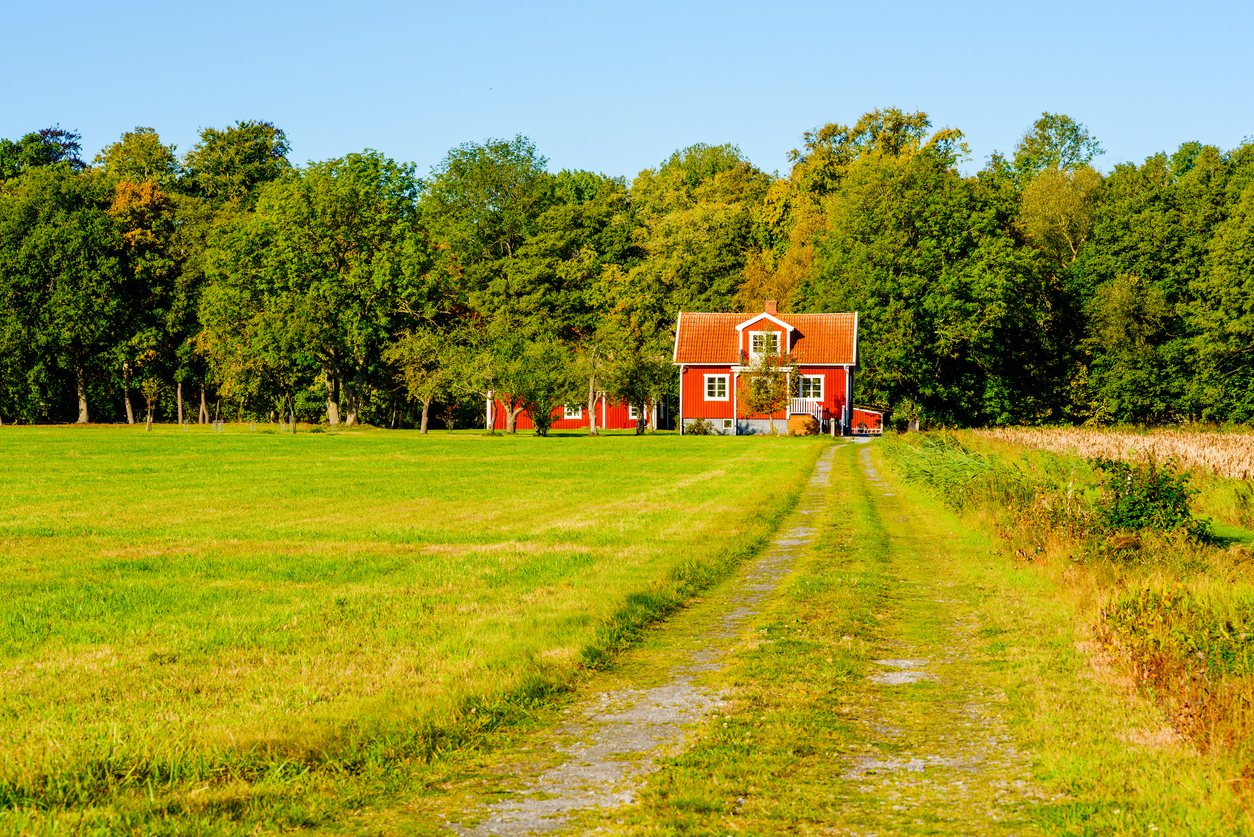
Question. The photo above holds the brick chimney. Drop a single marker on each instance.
(770, 307)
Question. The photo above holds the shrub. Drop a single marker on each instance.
(700, 427)
(1145, 495)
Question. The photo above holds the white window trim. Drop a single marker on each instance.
(577, 414)
(822, 386)
(779, 343)
(726, 388)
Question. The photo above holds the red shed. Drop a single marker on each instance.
(713, 349)
(867, 422)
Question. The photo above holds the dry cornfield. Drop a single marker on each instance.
(1226, 454)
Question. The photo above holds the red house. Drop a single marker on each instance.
(610, 416)
(713, 350)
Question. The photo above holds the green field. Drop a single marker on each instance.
(198, 630)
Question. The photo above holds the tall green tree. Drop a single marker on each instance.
(341, 245)
(65, 292)
(696, 225)
(952, 313)
(483, 202)
(41, 148)
(1055, 141)
(230, 165)
(1223, 319)
(140, 156)
(554, 274)
(1138, 274)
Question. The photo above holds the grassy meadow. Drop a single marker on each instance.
(197, 628)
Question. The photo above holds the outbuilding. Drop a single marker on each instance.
(714, 350)
(610, 415)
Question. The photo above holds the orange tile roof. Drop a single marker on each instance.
(819, 338)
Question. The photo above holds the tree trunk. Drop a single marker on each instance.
(511, 419)
(426, 405)
(490, 418)
(332, 378)
(640, 417)
(354, 395)
(126, 392)
(80, 381)
(592, 406)
(204, 409)
(178, 391)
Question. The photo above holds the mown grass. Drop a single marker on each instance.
(224, 631)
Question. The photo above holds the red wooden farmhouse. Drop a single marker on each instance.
(713, 350)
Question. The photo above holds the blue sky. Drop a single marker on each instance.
(618, 87)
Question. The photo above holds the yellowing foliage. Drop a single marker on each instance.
(142, 208)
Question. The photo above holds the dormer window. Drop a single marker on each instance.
(763, 343)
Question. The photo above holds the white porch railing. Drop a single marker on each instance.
(806, 407)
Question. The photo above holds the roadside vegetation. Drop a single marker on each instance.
(217, 632)
(1165, 593)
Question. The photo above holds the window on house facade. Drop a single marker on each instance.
(574, 412)
(633, 412)
(811, 386)
(715, 387)
(764, 343)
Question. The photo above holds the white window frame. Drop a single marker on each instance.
(811, 379)
(578, 412)
(727, 424)
(633, 413)
(726, 396)
(779, 343)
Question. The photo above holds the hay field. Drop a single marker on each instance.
(186, 612)
(1224, 454)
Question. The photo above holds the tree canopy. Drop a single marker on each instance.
(1037, 289)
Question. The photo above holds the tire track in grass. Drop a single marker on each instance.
(933, 752)
(615, 738)
(867, 699)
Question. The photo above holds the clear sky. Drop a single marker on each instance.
(616, 87)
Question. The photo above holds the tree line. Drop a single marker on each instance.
(228, 282)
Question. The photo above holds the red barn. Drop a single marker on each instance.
(712, 350)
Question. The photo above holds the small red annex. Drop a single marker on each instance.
(712, 350)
